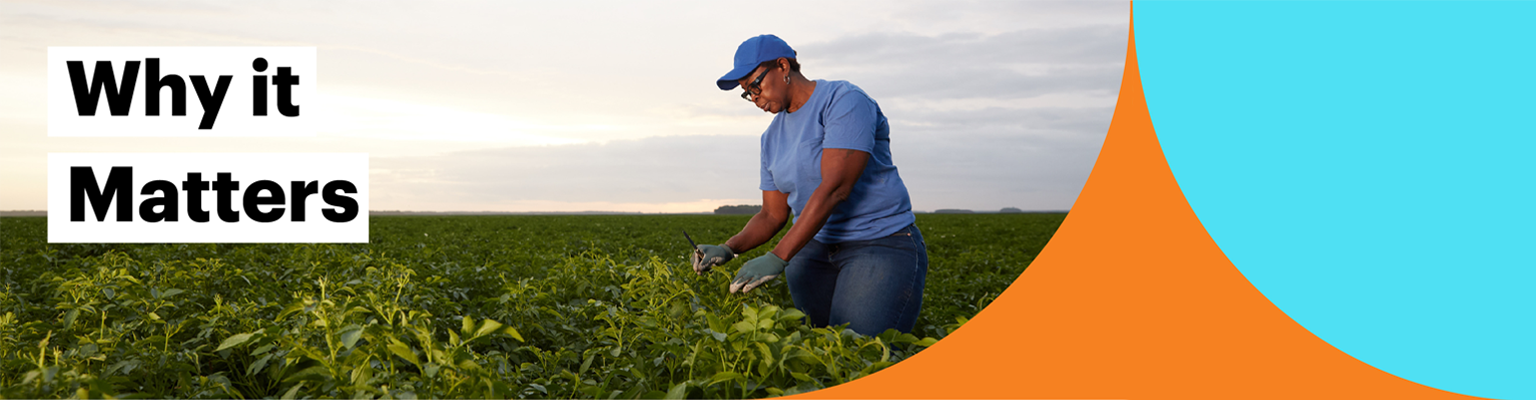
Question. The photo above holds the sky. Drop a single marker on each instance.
(612, 106)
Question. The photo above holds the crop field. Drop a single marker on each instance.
(457, 307)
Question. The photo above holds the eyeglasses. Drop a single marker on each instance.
(748, 91)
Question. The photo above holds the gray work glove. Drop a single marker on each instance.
(758, 271)
(708, 256)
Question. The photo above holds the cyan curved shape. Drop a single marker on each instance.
(1370, 167)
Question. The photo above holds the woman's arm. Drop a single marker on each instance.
(840, 169)
(766, 223)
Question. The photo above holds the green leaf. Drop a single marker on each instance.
(469, 326)
(767, 354)
(744, 326)
(292, 308)
(716, 324)
(318, 373)
(258, 365)
(350, 335)
(927, 341)
(124, 367)
(403, 351)
(233, 341)
(800, 376)
(487, 327)
(313, 354)
(292, 392)
(723, 376)
(679, 391)
(362, 374)
(512, 332)
(168, 293)
(585, 364)
(69, 318)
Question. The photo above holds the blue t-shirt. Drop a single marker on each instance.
(838, 116)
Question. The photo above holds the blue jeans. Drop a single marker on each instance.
(872, 285)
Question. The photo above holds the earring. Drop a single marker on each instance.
(786, 79)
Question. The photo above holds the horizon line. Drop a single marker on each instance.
(44, 213)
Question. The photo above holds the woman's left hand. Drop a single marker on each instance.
(708, 256)
(758, 271)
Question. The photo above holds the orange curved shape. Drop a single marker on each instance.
(1132, 299)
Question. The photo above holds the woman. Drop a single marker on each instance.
(854, 254)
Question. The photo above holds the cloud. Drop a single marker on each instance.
(983, 169)
(1017, 64)
(991, 169)
(1072, 45)
(1036, 121)
(671, 169)
(991, 104)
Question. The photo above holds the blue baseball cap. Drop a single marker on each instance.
(752, 52)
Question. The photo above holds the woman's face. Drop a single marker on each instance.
(765, 89)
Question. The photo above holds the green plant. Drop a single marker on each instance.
(603, 307)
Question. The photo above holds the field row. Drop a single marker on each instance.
(455, 307)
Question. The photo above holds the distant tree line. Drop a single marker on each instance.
(1005, 210)
(740, 209)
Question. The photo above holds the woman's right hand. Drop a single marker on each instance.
(709, 256)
